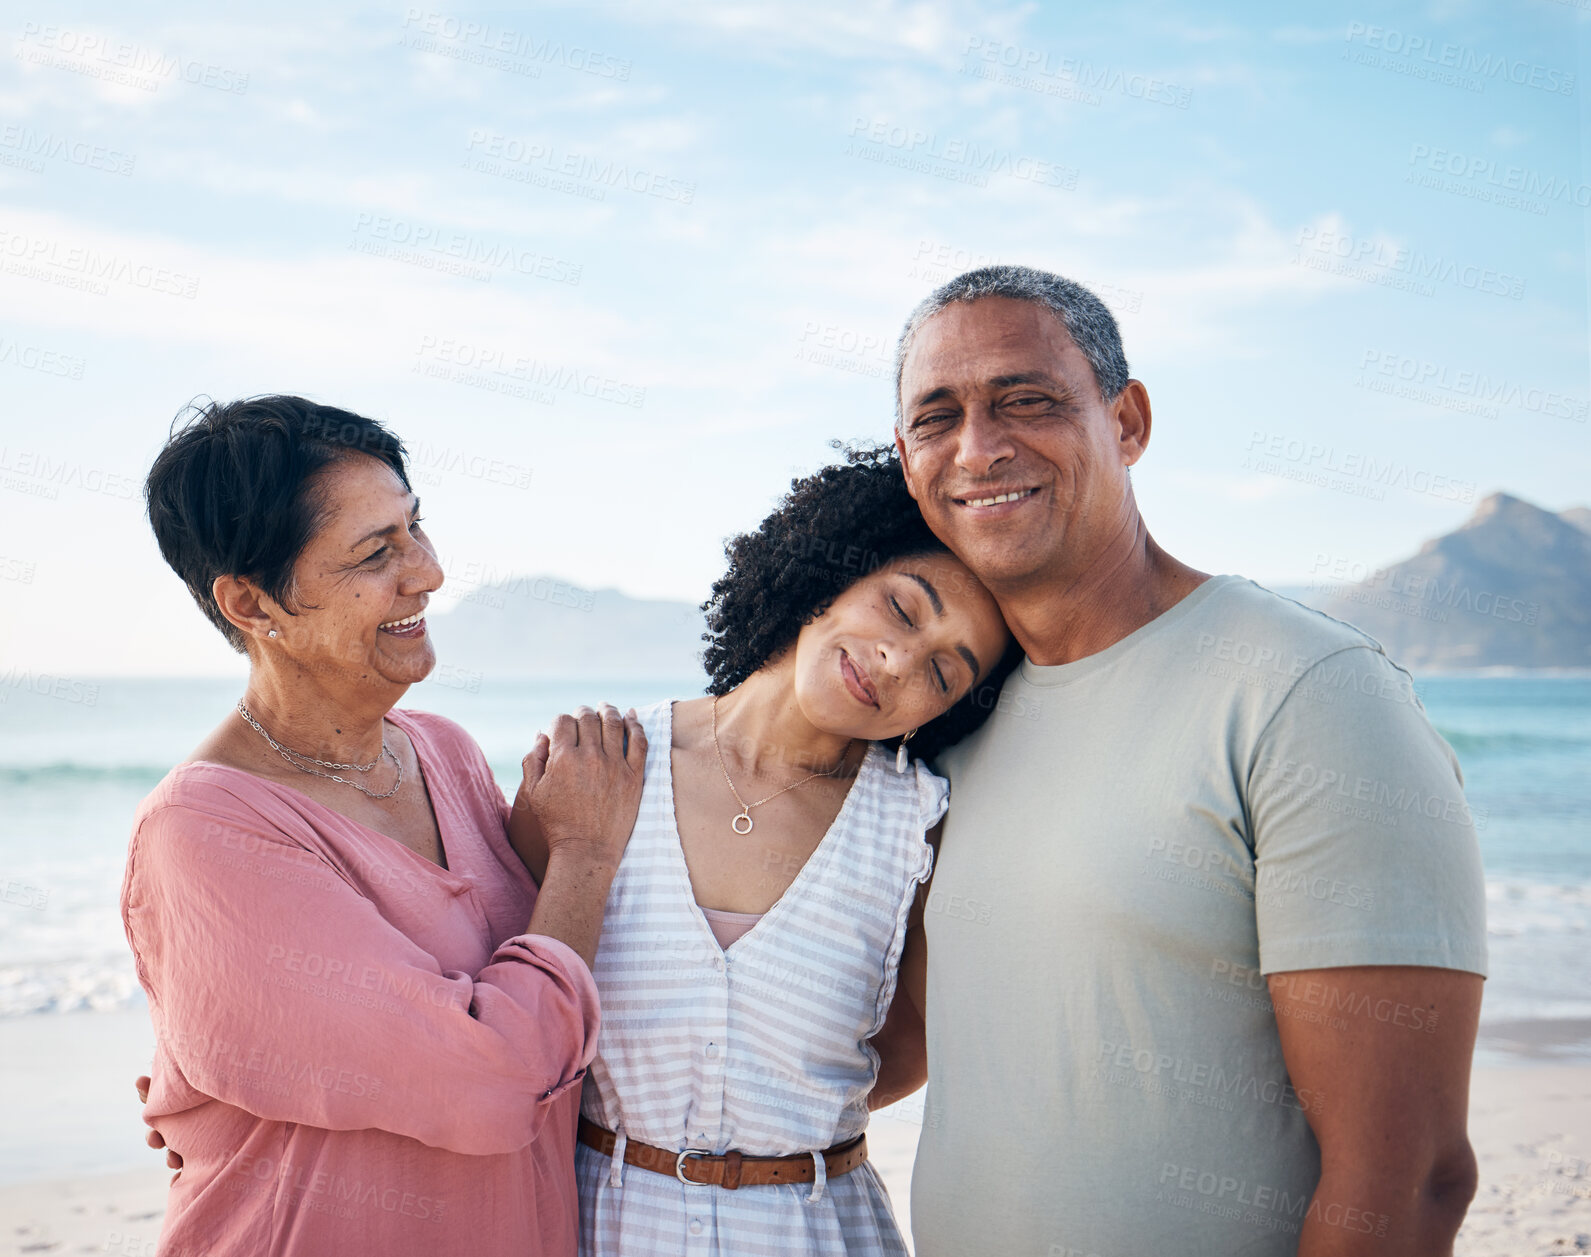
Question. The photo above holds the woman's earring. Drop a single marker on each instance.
(900, 751)
(272, 633)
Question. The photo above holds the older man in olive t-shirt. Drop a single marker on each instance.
(1220, 988)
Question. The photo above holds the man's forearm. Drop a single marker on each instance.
(1364, 1216)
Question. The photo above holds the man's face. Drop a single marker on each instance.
(998, 402)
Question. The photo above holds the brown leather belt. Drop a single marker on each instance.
(730, 1170)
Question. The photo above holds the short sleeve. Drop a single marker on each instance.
(933, 795)
(1365, 850)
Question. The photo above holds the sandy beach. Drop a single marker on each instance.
(1530, 1123)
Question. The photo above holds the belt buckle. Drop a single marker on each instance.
(679, 1166)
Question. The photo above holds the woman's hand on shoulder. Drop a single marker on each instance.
(582, 786)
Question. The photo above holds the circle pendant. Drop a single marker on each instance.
(735, 824)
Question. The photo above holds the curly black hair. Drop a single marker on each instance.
(831, 529)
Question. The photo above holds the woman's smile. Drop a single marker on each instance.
(412, 626)
(857, 683)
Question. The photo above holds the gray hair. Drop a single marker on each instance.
(1086, 317)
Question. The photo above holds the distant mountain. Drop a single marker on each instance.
(538, 626)
(1511, 587)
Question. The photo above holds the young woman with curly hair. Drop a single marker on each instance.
(761, 911)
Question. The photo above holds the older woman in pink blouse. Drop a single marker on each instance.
(370, 1023)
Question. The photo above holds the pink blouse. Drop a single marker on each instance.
(357, 1051)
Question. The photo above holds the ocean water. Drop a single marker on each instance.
(76, 759)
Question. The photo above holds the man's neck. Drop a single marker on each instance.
(1066, 616)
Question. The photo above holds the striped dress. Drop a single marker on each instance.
(761, 1048)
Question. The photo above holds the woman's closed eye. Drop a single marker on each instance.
(380, 552)
(934, 670)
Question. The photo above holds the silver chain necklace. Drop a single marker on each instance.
(292, 756)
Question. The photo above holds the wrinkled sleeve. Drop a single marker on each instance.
(277, 987)
(1365, 850)
(933, 795)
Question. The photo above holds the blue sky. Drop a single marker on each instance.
(616, 272)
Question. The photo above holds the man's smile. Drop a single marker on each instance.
(996, 502)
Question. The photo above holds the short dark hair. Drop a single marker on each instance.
(829, 531)
(234, 492)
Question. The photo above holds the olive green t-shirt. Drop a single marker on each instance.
(1241, 787)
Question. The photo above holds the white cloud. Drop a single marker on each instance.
(334, 308)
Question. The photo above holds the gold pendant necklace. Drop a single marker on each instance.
(745, 808)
